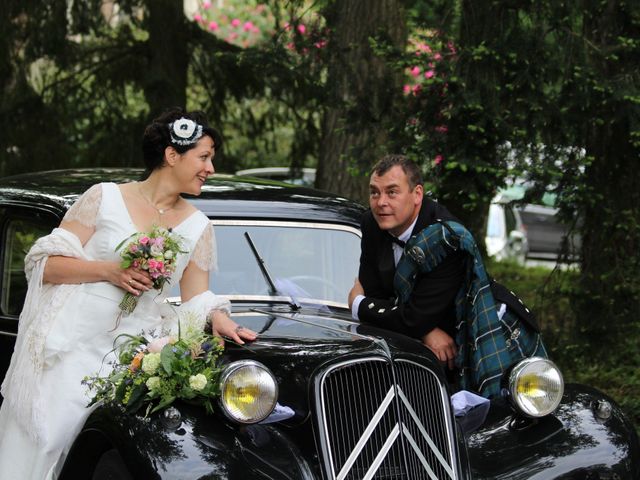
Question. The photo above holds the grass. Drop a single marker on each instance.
(548, 294)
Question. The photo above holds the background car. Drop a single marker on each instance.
(522, 231)
(305, 176)
(548, 237)
(317, 395)
(506, 237)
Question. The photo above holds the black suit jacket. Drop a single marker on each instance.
(431, 303)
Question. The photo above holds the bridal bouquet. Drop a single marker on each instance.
(156, 252)
(154, 371)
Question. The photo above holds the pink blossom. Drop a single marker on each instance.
(429, 74)
(437, 57)
(206, 4)
(291, 46)
(248, 26)
(235, 22)
(136, 264)
(144, 240)
(153, 264)
(424, 47)
(159, 241)
(197, 17)
(255, 29)
(287, 26)
(442, 129)
(233, 36)
(213, 26)
(415, 71)
(133, 248)
(451, 47)
(406, 89)
(155, 346)
(155, 275)
(416, 89)
(302, 29)
(438, 159)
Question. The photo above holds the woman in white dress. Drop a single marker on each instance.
(76, 284)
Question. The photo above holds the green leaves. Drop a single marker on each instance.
(167, 356)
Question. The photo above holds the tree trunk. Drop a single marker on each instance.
(165, 84)
(362, 89)
(468, 189)
(610, 297)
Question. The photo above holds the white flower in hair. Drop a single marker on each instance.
(185, 131)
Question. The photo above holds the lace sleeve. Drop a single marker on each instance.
(205, 252)
(85, 209)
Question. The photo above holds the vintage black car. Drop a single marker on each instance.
(351, 401)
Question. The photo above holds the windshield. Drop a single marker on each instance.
(495, 222)
(308, 261)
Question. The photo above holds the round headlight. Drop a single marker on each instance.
(536, 386)
(248, 391)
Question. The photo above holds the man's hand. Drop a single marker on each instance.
(355, 291)
(440, 343)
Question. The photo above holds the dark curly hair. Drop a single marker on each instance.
(156, 137)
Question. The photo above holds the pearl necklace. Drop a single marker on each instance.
(161, 211)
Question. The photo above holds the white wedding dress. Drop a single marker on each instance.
(82, 334)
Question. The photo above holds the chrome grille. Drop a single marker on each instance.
(385, 421)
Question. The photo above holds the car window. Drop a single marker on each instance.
(510, 219)
(495, 221)
(19, 235)
(311, 261)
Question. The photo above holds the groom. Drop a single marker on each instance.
(399, 209)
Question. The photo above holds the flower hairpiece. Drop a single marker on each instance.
(185, 131)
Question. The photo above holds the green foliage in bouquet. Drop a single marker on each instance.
(153, 372)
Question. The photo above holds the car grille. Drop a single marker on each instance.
(383, 420)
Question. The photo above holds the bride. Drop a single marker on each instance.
(76, 284)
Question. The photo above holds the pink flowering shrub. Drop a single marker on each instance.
(248, 23)
(243, 24)
(426, 67)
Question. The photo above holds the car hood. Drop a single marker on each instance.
(298, 345)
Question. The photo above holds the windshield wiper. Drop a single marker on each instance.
(273, 291)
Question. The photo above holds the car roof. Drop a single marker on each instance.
(223, 196)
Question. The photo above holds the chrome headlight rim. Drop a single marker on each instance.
(232, 369)
(517, 400)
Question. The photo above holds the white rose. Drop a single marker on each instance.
(168, 254)
(197, 382)
(156, 251)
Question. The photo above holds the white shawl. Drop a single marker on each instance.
(21, 386)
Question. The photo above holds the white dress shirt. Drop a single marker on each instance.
(397, 253)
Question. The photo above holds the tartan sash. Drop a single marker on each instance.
(488, 343)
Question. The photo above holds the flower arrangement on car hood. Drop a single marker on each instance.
(156, 252)
(157, 370)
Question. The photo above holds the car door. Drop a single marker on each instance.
(20, 226)
(544, 230)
